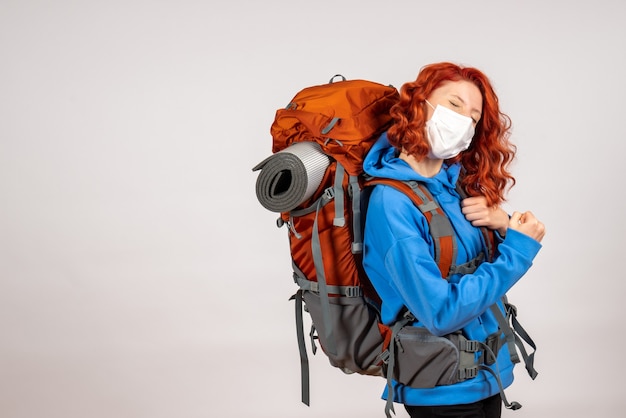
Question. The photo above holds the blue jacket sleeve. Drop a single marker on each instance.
(401, 266)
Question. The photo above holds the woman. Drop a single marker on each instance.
(447, 130)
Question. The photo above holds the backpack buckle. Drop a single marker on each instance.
(470, 346)
(494, 344)
(384, 356)
(329, 193)
(353, 291)
(468, 373)
(408, 316)
(511, 309)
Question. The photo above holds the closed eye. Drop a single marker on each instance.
(456, 105)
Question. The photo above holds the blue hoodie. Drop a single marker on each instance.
(398, 258)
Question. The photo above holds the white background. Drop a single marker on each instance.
(141, 278)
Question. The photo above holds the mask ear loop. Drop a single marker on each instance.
(433, 107)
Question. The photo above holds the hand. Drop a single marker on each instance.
(479, 214)
(526, 223)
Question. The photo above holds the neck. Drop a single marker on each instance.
(427, 167)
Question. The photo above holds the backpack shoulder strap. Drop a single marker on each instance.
(440, 226)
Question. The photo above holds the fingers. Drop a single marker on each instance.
(527, 224)
(515, 220)
(473, 202)
(536, 228)
(474, 208)
(477, 211)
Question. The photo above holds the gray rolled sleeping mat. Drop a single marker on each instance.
(291, 176)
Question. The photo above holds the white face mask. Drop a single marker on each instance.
(448, 132)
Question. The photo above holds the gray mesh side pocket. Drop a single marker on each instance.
(424, 360)
(356, 332)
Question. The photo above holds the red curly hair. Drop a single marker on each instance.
(485, 162)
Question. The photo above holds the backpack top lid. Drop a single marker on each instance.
(344, 117)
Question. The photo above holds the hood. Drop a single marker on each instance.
(383, 161)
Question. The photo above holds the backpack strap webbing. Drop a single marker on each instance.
(514, 335)
(406, 318)
(304, 359)
(336, 194)
(305, 284)
(440, 227)
(529, 359)
(340, 219)
(320, 202)
(323, 290)
(318, 262)
(354, 190)
(509, 337)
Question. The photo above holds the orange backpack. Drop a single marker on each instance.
(343, 119)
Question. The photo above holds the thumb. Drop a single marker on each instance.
(516, 219)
